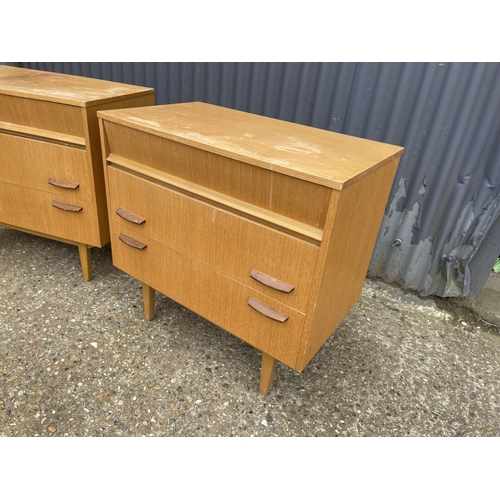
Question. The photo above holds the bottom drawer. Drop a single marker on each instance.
(33, 210)
(210, 294)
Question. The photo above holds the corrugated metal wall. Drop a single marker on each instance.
(446, 194)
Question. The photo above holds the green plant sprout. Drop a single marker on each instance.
(496, 267)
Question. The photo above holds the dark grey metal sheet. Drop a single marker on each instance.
(446, 193)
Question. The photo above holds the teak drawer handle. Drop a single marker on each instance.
(125, 214)
(63, 184)
(131, 242)
(266, 310)
(66, 206)
(271, 282)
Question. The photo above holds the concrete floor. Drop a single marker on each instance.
(78, 358)
(488, 304)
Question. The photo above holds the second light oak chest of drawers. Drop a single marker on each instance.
(264, 227)
(51, 175)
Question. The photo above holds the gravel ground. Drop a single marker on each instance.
(79, 359)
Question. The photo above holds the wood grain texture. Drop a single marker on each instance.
(271, 282)
(210, 294)
(44, 134)
(30, 163)
(132, 242)
(60, 88)
(40, 115)
(94, 150)
(31, 209)
(308, 153)
(267, 311)
(85, 253)
(220, 191)
(219, 200)
(356, 222)
(62, 183)
(49, 140)
(221, 240)
(42, 235)
(242, 181)
(148, 298)
(268, 366)
(66, 206)
(129, 216)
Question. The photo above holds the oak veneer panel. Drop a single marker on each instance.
(49, 129)
(210, 294)
(94, 151)
(148, 297)
(41, 115)
(66, 89)
(266, 373)
(346, 259)
(323, 157)
(230, 244)
(257, 186)
(32, 209)
(30, 163)
(216, 199)
(207, 156)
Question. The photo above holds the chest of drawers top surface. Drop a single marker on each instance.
(64, 89)
(300, 151)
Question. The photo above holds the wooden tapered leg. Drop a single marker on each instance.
(85, 253)
(267, 373)
(148, 295)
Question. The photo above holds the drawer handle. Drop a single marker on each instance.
(271, 282)
(131, 242)
(266, 310)
(125, 214)
(63, 184)
(66, 206)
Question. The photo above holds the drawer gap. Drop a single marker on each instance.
(246, 210)
(124, 233)
(42, 134)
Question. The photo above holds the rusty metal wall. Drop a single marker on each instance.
(445, 197)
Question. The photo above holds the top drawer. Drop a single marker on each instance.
(298, 199)
(61, 122)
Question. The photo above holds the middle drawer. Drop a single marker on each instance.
(258, 256)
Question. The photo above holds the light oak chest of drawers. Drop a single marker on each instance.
(263, 227)
(51, 175)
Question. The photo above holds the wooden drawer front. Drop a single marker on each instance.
(33, 210)
(42, 115)
(221, 240)
(210, 294)
(259, 186)
(31, 163)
